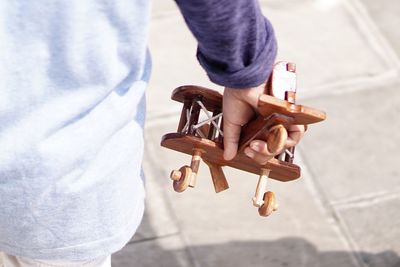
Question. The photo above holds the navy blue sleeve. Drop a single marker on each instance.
(236, 43)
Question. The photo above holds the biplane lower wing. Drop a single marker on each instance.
(212, 152)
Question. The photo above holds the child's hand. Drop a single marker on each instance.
(238, 108)
(258, 149)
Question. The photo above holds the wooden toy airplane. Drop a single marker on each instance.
(204, 139)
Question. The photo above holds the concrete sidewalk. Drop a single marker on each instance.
(345, 210)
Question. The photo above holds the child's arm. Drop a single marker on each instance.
(236, 43)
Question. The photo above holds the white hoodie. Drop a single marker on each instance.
(72, 80)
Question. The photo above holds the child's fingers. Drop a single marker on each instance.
(260, 147)
(258, 157)
(295, 134)
(262, 156)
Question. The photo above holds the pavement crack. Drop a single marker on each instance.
(148, 239)
(366, 200)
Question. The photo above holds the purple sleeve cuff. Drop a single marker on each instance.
(251, 74)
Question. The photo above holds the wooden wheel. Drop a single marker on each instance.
(269, 204)
(181, 178)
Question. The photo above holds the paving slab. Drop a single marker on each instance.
(328, 44)
(374, 225)
(353, 154)
(163, 8)
(162, 252)
(145, 230)
(385, 14)
(173, 50)
(217, 226)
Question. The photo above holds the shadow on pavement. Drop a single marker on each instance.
(286, 252)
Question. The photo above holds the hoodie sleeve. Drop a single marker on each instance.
(236, 43)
